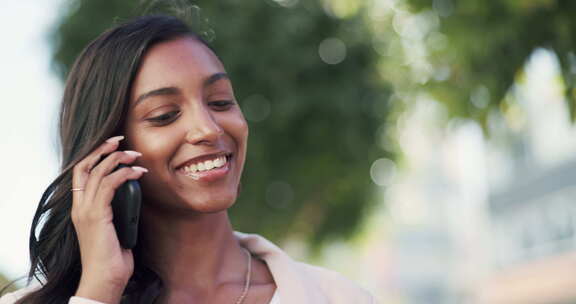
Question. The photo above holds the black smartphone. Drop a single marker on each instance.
(126, 207)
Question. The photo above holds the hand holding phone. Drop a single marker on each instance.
(105, 229)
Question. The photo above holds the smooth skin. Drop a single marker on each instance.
(182, 106)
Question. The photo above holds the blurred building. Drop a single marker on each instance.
(533, 214)
(534, 224)
(491, 220)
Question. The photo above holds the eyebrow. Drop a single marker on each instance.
(157, 92)
(212, 79)
(175, 91)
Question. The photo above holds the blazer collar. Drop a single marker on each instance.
(293, 282)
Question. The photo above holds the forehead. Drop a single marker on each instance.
(180, 62)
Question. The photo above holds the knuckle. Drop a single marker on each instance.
(125, 171)
(106, 184)
(110, 182)
(77, 168)
(118, 155)
(113, 158)
(96, 170)
(93, 159)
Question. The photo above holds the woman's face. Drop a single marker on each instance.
(184, 119)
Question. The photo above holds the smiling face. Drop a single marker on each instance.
(184, 119)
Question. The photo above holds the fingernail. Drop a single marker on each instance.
(139, 169)
(133, 153)
(115, 139)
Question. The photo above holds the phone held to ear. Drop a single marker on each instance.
(126, 207)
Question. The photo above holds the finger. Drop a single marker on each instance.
(82, 169)
(111, 182)
(93, 211)
(106, 167)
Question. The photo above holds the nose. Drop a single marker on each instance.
(203, 128)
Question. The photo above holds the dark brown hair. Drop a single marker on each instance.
(93, 109)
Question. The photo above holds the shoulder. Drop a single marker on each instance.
(335, 285)
(300, 282)
(14, 296)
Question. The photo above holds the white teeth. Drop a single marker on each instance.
(220, 161)
(206, 165)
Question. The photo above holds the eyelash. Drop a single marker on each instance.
(164, 118)
(219, 105)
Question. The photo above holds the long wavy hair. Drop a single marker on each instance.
(94, 108)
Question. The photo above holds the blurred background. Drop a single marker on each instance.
(425, 149)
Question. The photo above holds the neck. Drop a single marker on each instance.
(196, 253)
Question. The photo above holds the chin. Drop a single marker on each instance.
(211, 203)
(211, 206)
(186, 204)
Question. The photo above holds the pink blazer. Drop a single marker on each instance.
(296, 282)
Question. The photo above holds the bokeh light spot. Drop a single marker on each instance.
(256, 108)
(287, 3)
(341, 8)
(332, 50)
(480, 97)
(383, 172)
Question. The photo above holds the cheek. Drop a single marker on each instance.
(239, 129)
(156, 147)
(240, 135)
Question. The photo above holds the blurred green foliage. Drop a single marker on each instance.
(485, 44)
(312, 124)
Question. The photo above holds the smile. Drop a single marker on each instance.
(202, 166)
(207, 169)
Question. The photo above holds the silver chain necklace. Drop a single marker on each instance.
(247, 281)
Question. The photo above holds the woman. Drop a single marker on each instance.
(152, 95)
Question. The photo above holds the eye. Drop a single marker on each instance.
(164, 118)
(221, 105)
